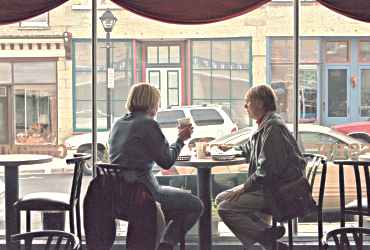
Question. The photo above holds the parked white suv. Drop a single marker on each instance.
(209, 122)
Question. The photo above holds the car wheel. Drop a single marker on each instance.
(88, 167)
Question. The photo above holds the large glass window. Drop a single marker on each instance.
(221, 73)
(281, 77)
(35, 114)
(121, 59)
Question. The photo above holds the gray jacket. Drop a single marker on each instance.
(137, 142)
(273, 155)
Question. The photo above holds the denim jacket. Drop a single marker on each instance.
(137, 142)
(273, 155)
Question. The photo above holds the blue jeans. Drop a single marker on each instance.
(183, 208)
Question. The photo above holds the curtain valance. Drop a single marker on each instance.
(190, 11)
(356, 9)
(18, 10)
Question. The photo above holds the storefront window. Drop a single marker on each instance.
(35, 108)
(364, 52)
(220, 73)
(337, 52)
(281, 77)
(122, 64)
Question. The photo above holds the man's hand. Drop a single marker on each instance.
(234, 194)
(185, 132)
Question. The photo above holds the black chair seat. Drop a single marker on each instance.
(44, 201)
(353, 205)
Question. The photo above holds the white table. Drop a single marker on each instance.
(204, 167)
(11, 162)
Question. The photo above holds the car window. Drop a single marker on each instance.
(204, 117)
(318, 142)
(168, 119)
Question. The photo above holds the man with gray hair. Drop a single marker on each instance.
(274, 160)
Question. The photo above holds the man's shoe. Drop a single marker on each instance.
(282, 246)
(165, 246)
(273, 233)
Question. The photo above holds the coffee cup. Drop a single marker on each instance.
(183, 122)
(201, 149)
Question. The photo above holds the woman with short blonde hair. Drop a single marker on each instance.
(136, 143)
(142, 97)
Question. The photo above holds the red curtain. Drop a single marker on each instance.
(190, 11)
(356, 9)
(18, 10)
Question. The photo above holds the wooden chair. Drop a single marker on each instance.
(346, 238)
(57, 240)
(113, 171)
(53, 201)
(314, 162)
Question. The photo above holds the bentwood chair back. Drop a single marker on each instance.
(51, 239)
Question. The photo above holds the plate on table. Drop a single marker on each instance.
(183, 157)
(222, 157)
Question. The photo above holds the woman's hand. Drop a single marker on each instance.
(234, 194)
(185, 132)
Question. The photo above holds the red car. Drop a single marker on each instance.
(359, 130)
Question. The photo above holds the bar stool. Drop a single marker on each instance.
(53, 201)
(360, 205)
(314, 162)
(112, 171)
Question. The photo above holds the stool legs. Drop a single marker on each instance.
(78, 220)
(290, 234)
(28, 221)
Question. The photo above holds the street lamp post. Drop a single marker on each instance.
(108, 21)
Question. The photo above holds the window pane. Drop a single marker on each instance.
(168, 119)
(155, 78)
(84, 115)
(337, 51)
(173, 79)
(35, 72)
(281, 73)
(122, 56)
(281, 50)
(239, 54)
(309, 51)
(152, 55)
(220, 84)
(204, 117)
(238, 114)
(284, 96)
(308, 94)
(163, 54)
(337, 89)
(5, 73)
(221, 54)
(35, 115)
(83, 86)
(201, 54)
(38, 21)
(364, 52)
(174, 54)
(239, 83)
(365, 93)
(121, 85)
(201, 84)
(3, 118)
(173, 97)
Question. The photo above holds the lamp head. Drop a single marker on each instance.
(108, 20)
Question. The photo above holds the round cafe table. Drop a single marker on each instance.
(204, 167)
(11, 162)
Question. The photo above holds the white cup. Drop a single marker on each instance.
(183, 122)
(201, 148)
